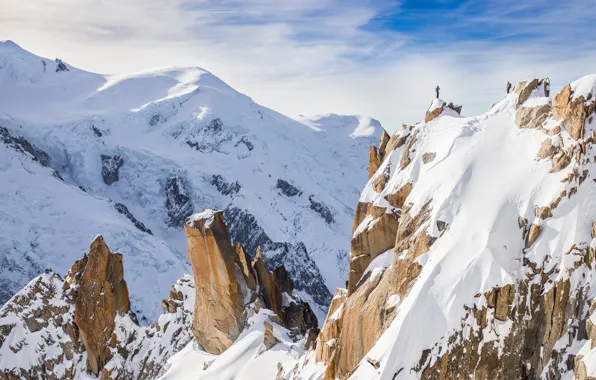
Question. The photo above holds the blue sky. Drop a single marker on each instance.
(381, 58)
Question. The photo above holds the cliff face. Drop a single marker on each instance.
(102, 293)
(473, 248)
(82, 325)
(219, 304)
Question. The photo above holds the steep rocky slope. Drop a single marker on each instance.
(131, 157)
(472, 253)
(81, 326)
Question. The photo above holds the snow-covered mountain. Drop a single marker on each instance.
(473, 248)
(131, 157)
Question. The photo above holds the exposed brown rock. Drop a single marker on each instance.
(328, 337)
(365, 312)
(405, 157)
(572, 112)
(375, 239)
(268, 338)
(243, 261)
(219, 302)
(428, 157)
(102, 293)
(380, 182)
(539, 320)
(398, 199)
(547, 149)
(531, 117)
(560, 161)
(298, 317)
(383, 144)
(268, 286)
(524, 89)
(373, 161)
(431, 115)
(282, 277)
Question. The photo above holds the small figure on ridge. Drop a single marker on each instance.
(508, 86)
(437, 90)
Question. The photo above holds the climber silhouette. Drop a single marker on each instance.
(437, 90)
(508, 86)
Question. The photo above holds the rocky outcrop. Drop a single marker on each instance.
(102, 293)
(573, 111)
(298, 317)
(373, 161)
(287, 188)
(244, 228)
(122, 209)
(178, 203)
(268, 287)
(225, 187)
(328, 344)
(374, 236)
(322, 209)
(437, 107)
(532, 117)
(23, 146)
(110, 168)
(268, 338)
(219, 302)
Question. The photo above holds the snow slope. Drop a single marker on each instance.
(483, 182)
(165, 144)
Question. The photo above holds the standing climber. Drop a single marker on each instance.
(508, 86)
(547, 87)
(437, 90)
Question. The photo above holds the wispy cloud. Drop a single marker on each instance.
(382, 58)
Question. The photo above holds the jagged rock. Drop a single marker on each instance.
(405, 157)
(122, 209)
(298, 317)
(428, 157)
(225, 187)
(155, 119)
(437, 107)
(374, 236)
(330, 332)
(310, 338)
(243, 261)
(283, 279)
(373, 161)
(560, 161)
(178, 203)
(531, 117)
(288, 189)
(61, 66)
(366, 312)
(305, 275)
(102, 293)
(399, 198)
(322, 209)
(110, 168)
(547, 149)
(572, 112)
(23, 146)
(267, 284)
(268, 338)
(524, 90)
(219, 302)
